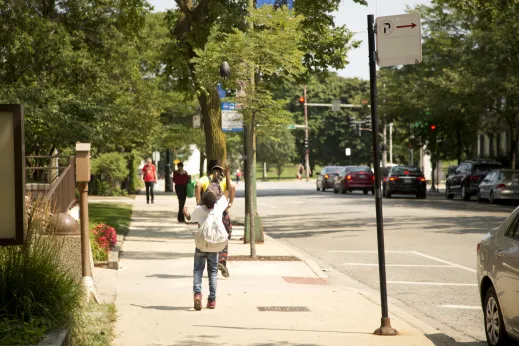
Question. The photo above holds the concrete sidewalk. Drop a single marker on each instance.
(155, 301)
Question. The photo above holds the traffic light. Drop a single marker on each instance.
(306, 143)
(367, 121)
(301, 100)
(432, 127)
(350, 121)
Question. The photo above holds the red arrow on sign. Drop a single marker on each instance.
(412, 25)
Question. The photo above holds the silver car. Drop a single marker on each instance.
(500, 184)
(498, 279)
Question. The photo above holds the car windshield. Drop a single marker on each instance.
(359, 169)
(333, 170)
(403, 170)
(509, 175)
(485, 168)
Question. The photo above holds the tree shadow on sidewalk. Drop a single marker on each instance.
(441, 339)
(166, 308)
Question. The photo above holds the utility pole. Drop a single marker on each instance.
(307, 144)
(391, 143)
(384, 149)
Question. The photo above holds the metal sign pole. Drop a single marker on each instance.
(385, 328)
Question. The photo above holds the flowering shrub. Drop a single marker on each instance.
(105, 236)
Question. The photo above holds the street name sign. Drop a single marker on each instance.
(336, 105)
(197, 121)
(232, 118)
(399, 40)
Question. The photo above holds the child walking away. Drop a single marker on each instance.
(210, 240)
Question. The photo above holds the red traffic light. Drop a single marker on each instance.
(364, 102)
(301, 99)
(433, 127)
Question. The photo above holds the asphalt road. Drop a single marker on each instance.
(430, 246)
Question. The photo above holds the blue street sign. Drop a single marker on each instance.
(221, 91)
(259, 3)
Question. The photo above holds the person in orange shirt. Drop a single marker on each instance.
(149, 176)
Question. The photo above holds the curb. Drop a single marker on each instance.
(55, 338)
(113, 256)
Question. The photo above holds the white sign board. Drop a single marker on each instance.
(336, 105)
(156, 156)
(348, 152)
(232, 119)
(399, 40)
(197, 121)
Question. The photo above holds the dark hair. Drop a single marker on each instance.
(209, 199)
(180, 164)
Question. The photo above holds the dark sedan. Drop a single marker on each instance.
(353, 178)
(405, 180)
(327, 176)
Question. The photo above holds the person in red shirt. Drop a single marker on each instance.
(181, 179)
(149, 175)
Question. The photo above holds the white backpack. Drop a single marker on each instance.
(212, 236)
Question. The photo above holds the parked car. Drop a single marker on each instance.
(327, 176)
(498, 281)
(501, 184)
(353, 178)
(465, 181)
(405, 180)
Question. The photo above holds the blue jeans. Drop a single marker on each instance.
(212, 271)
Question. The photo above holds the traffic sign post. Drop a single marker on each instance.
(336, 105)
(232, 118)
(398, 42)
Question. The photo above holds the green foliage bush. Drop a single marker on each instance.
(36, 291)
(111, 169)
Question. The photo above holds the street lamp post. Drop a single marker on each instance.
(307, 144)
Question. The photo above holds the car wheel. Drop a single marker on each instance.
(464, 194)
(448, 195)
(365, 192)
(480, 200)
(491, 198)
(343, 190)
(372, 191)
(424, 195)
(494, 326)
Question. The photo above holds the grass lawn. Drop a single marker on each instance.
(95, 326)
(289, 172)
(116, 215)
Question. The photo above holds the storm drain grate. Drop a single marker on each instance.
(284, 308)
(305, 281)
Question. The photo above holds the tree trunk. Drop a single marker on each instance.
(202, 159)
(250, 189)
(215, 140)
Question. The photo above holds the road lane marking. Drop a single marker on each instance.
(429, 283)
(400, 265)
(445, 262)
(463, 307)
(368, 251)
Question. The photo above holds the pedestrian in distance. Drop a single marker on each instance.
(181, 178)
(238, 176)
(218, 181)
(149, 177)
(300, 172)
(209, 217)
